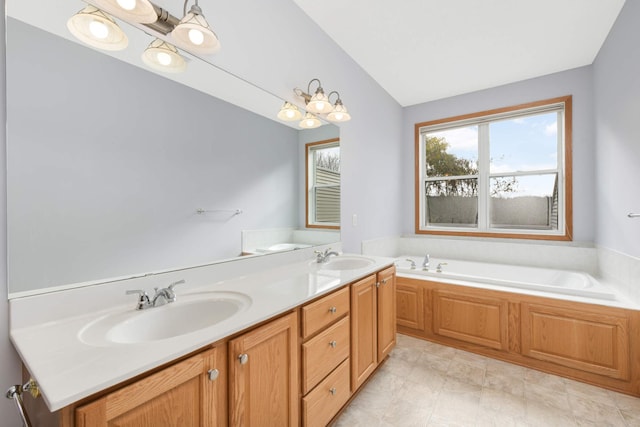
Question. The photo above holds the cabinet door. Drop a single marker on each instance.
(476, 320)
(263, 375)
(410, 306)
(184, 394)
(364, 353)
(386, 296)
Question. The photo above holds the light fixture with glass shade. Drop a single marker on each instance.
(319, 102)
(163, 56)
(339, 112)
(95, 28)
(141, 11)
(310, 121)
(194, 34)
(289, 112)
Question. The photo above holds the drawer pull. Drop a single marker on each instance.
(333, 344)
(333, 310)
(333, 391)
(384, 281)
(213, 374)
(243, 358)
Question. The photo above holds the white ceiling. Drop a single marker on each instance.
(422, 50)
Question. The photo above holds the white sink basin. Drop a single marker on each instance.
(189, 313)
(347, 262)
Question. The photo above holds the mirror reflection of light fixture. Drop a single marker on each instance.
(339, 112)
(194, 34)
(310, 122)
(163, 56)
(319, 102)
(141, 11)
(95, 28)
(289, 112)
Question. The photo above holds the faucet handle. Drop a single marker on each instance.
(143, 299)
(174, 284)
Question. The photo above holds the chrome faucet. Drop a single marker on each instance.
(413, 263)
(324, 256)
(439, 267)
(162, 296)
(425, 263)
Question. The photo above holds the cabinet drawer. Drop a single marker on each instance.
(318, 314)
(322, 404)
(323, 353)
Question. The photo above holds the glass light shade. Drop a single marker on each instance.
(310, 122)
(193, 33)
(164, 57)
(319, 102)
(289, 112)
(141, 11)
(95, 28)
(339, 113)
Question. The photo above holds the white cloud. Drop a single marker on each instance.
(461, 139)
(519, 121)
(551, 129)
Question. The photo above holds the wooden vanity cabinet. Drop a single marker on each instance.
(325, 352)
(264, 376)
(189, 393)
(373, 326)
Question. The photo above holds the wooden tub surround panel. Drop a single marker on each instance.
(592, 343)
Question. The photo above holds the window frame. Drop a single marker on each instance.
(564, 167)
(309, 187)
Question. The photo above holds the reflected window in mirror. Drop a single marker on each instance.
(323, 184)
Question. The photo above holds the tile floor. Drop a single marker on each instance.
(426, 384)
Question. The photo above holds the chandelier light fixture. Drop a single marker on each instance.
(316, 105)
(95, 26)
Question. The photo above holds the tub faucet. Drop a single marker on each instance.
(425, 263)
(324, 256)
(439, 267)
(413, 263)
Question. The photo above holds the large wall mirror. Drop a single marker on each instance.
(115, 171)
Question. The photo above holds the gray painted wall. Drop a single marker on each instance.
(576, 82)
(617, 91)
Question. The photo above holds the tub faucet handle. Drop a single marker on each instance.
(413, 263)
(439, 267)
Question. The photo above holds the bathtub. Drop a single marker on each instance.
(512, 277)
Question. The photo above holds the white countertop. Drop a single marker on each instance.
(45, 329)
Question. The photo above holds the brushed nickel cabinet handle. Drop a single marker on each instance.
(333, 391)
(333, 310)
(333, 344)
(243, 358)
(213, 374)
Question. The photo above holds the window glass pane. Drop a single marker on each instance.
(452, 152)
(529, 202)
(452, 203)
(324, 179)
(524, 144)
(327, 203)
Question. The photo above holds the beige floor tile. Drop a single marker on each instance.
(467, 372)
(589, 410)
(424, 384)
(553, 398)
(504, 381)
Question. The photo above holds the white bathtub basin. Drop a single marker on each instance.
(188, 314)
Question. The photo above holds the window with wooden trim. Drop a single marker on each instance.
(323, 184)
(497, 173)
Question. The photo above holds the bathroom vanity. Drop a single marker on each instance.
(295, 354)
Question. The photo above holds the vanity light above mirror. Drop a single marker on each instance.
(316, 104)
(95, 26)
